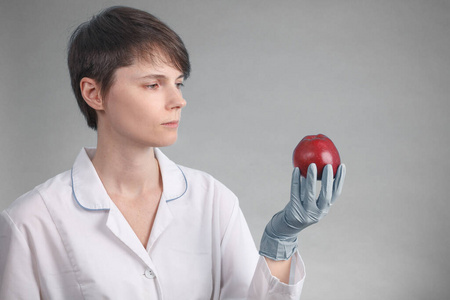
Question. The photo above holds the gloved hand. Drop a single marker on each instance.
(279, 240)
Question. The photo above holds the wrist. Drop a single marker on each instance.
(281, 226)
(276, 248)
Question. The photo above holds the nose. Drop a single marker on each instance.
(175, 99)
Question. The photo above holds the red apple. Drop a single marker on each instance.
(317, 149)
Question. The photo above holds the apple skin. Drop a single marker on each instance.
(318, 149)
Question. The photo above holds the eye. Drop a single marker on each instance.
(179, 85)
(152, 86)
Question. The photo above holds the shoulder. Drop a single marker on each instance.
(202, 180)
(206, 192)
(31, 208)
(194, 188)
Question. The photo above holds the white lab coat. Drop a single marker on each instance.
(66, 239)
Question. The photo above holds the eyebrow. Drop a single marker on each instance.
(158, 76)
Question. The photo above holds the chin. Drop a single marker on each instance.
(165, 142)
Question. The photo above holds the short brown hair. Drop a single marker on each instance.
(115, 38)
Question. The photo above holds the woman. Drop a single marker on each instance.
(128, 223)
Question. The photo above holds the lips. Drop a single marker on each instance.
(171, 124)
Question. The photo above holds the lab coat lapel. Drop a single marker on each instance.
(174, 187)
(122, 230)
(90, 194)
(162, 220)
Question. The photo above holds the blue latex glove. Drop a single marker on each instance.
(279, 240)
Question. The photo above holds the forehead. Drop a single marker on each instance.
(154, 57)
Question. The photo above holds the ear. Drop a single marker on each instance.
(90, 90)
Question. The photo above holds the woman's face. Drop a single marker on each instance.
(143, 105)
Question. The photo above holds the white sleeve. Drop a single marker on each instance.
(265, 286)
(245, 274)
(18, 279)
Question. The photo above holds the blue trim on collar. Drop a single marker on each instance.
(185, 190)
(75, 196)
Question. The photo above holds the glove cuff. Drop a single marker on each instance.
(277, 249)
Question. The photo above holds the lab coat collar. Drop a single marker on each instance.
(174, 181)
(90, 193)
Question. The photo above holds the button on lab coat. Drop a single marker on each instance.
(66, 239)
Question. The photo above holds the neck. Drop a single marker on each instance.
(127, 171)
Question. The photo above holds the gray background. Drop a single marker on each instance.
(372, 75)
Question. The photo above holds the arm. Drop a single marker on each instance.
(279, 240)
(281, 269)
(18, 278)
(245, 274)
